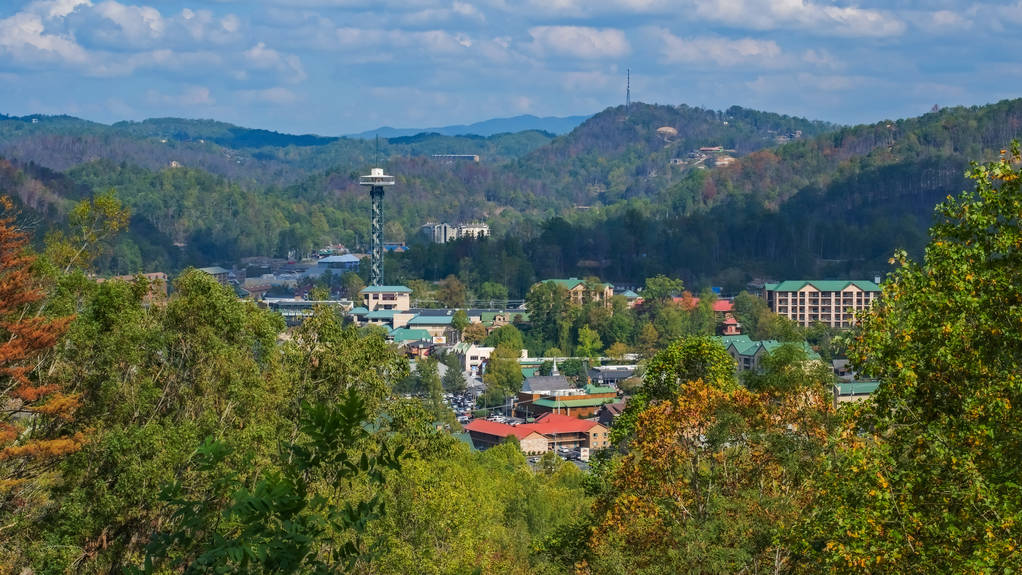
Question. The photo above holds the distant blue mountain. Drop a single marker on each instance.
(551, 124)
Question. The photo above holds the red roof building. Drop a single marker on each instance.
(550, 431)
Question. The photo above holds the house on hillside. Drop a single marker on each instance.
(580, 292)
(748, 353)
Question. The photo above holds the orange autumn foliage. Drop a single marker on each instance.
(25, 335)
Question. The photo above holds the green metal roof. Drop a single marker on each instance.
(556, 403)
(822, 285)
(405, 334)
(594, 389)
(529, 371)
(386, 289)
(727, 340)
(464, 437)
(571, 282)
(360, 310)
(857, 387)
(431, 320)
(629, 294)
(746, 346)
(381, 314)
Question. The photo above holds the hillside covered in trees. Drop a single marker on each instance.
(624, 196)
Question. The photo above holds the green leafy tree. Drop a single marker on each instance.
(503, 371)
(618, 351)
(91, 226)
(926, 478)
(319, 293)
(648, 338)
(506, 334)
(429, 381)
(460, 320)
(454, 379)
(452, 293)
(352, 283)
(667, 373)
(589, 344)
(493, 293)
(301, 520)
(660, 289)
(474, 333)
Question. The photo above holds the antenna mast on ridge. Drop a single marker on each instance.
(628, 89)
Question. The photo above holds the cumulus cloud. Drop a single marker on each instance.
(23, 38)
(580, 41)
(260, 57)
(824, 19)
(56, 8)
(138, 23)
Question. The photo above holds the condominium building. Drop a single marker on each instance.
(833, 302)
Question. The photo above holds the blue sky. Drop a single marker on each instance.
(342, 66)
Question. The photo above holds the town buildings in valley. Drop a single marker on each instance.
(542, 394)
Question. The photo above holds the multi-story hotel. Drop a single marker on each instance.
(833, 302)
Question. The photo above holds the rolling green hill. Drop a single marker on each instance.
(625, 195)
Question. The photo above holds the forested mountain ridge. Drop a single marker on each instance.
(828, 200)
(522, 123)
(252, 158)
(624, 152)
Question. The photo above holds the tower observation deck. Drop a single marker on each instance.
(376, 180)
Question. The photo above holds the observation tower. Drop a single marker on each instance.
(376, 180)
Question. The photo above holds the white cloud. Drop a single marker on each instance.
(940, 21)
(260, 57)
(821, 58)
(56, 8)
(580, 41)
(717, 50)
(823, 19)
(430, 41)
(23, 37)
(136, 22)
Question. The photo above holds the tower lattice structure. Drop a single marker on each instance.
(376, 181)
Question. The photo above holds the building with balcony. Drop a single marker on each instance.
(580, 292)
(832, 302)
(549, 432)
(397, 298)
